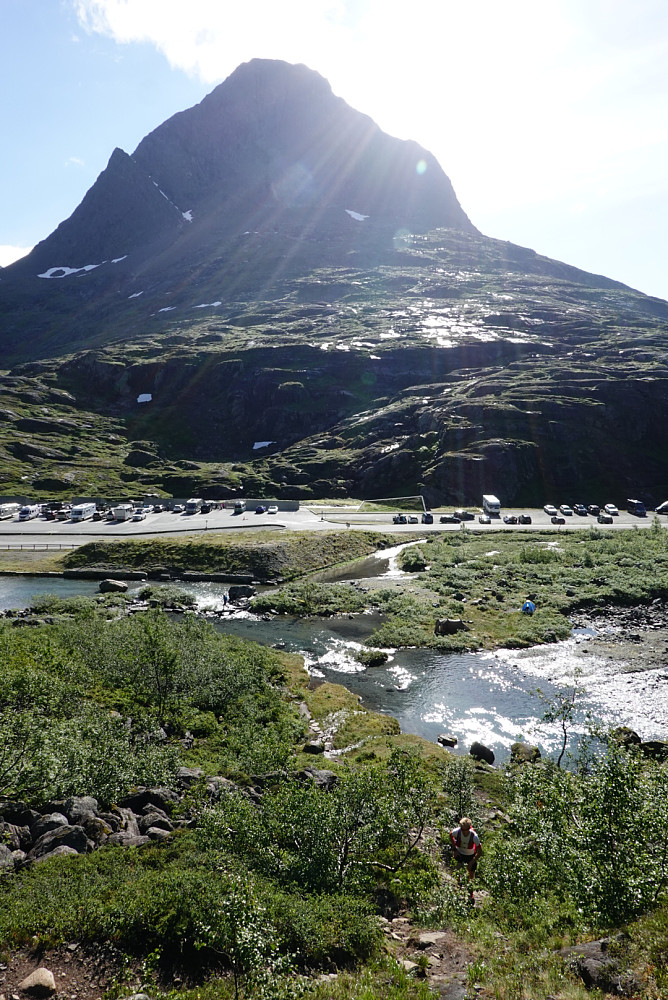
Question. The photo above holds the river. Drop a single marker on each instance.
(488, 696)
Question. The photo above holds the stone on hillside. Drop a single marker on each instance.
(128, 821)
(18, 813)
(155, 820)
(163, 798)
(112, 586)
(625, 736)
(480, 752)
(64, 836)
(15, 837)
(58, 852)
(313, 747)
(127, 839)
(524, 753)
(79, 808)
(447, 740)
(189, 775)
(320, 778)
(46, 823)
(39, 984)
(430, 938)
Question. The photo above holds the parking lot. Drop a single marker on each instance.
(53, 534)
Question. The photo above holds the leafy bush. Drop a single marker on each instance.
(598, 838)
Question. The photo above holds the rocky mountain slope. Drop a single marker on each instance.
(286, 300)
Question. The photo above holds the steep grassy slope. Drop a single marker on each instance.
(454, 363)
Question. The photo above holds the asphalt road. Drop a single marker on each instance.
(40, 533)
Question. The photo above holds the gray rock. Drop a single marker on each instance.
(189, 775)
(18, 814)
(17, 838)
(112, 587)
(128, 821)
(46, 823)
(157, 833)
(240, 590)
(313, 747)
(39, 984)
(64, 836)
(154, 820)
(447, 741)
(163, 798)
(57, 852)
(79, 808)
(126, 839)
(321, 778)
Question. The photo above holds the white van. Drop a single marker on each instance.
(491, 505)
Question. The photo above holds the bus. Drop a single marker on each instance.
(194, 505)
(636, 507)
(83, 511)
(9, 510)
(239, 506)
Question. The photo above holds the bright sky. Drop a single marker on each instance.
(549, 116)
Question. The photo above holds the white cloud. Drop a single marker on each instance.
(8, 254)
(74, 161)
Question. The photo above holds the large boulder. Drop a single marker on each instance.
(524, 753)
(480, 752)
(161, 798)
(449, 626)
(52, 821)
(112, 586)
(241, 590)
(64, 836)
(17, 813)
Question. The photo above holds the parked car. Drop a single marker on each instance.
(260, 509)
(524, 519)
(509, 519)
(272, 509)
(611, 509)
(484, 519)
(158, 508)
(464, 515)
(593, 509)
(662, 508)
(139, 515)
(449, 519)
(604, 518)
(558, 519)
(178, 508)
(399, 519)
(413, 519)
(205, 508)
(427, 517)
(566, 510)
(580, 509)
(550, 509)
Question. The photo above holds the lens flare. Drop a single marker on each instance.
(420, 167)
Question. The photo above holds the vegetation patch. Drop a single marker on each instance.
(286, 556)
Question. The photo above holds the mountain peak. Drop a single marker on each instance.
(270, 148)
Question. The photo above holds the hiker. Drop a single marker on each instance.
(466, 848)
(226, 598)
